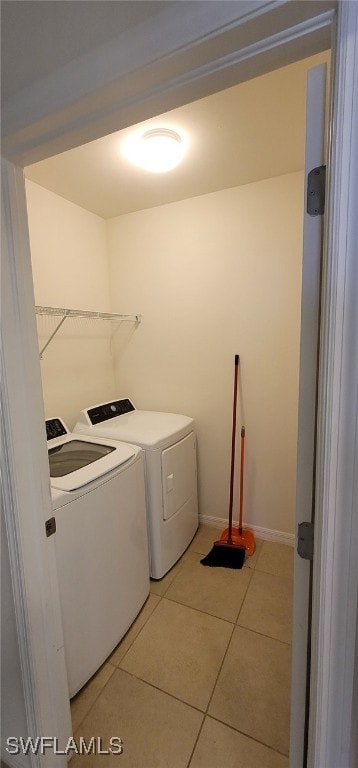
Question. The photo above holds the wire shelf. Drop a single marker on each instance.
(64, 314)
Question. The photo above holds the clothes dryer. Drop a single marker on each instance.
(169, 444)
(101, 543)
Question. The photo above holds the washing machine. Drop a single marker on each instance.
(101, 543)
(169, 444)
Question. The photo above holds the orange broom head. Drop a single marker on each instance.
(245, 539)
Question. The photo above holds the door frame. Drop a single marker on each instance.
(28, 499)
(313, 227)
(335, 566)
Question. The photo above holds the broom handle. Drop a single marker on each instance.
(242, 478)
(233, 450)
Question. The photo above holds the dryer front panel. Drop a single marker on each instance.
(179, 475)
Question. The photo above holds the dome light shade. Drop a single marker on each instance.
(157, 150)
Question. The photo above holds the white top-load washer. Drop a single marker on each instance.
(169, 444)
(101, 543)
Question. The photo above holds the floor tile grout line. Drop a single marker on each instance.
(218, 675)
(179, 564)
(220, 618)
(98, 694)
(199, 610)
(204, 713)
(196, 741)
(184, 605)
(261, 634)
(270, 573)
(228, 621)
(244, 598)
(177, 698)
(255, 567)
(146, 682)
(247, 735)
(157, 593)
(214, 616)
(140, 631)
(234, 624)
(165, 591)
(242, 606)
(115, 666)
(161, 690)
(249, 628)
(219, 670)
(209, 702)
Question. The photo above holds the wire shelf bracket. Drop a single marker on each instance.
(63, 314)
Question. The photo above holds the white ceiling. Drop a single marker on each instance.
(249, 132)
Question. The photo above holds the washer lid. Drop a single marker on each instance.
(76, 462)
(148, 429)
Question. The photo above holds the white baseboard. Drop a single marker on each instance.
(266, 534)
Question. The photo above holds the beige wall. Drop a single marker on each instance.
(214, 276)
(70, 269)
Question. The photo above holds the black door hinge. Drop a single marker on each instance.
(316, 191)
(305, 540)
(50, 526)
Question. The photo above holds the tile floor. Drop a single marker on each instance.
(202, 678)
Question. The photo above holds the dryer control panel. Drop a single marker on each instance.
(109, 410)
(55, 428)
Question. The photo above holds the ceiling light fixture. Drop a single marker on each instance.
(157, 150)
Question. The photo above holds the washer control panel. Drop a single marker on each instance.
(110, 410)
(55, 428)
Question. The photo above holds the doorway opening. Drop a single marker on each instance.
(173, 262)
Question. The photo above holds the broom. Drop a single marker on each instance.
(227, 552)
(241, 535)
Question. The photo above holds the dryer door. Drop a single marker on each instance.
(178, 475)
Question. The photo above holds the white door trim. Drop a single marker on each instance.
(335, 588)
(336, 529)
(27, 497)
(184, 57)
(307, 405)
